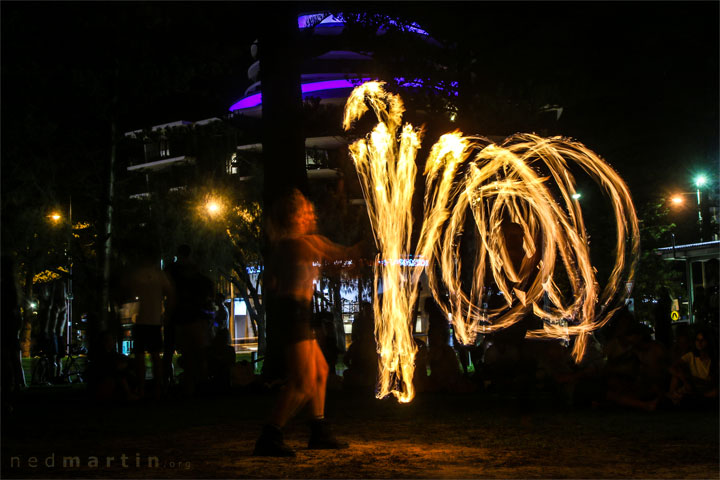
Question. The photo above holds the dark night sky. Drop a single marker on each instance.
(639, 80)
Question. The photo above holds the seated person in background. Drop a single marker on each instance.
(695, 376)
(109, 375)
(220, 359)
(243, 376)
(420, 378)
(361, 357)
(636, 368)
(325, 333)
(508, 364)
(445, 369)
(683, 343)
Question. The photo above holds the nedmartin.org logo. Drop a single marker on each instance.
(79, 461)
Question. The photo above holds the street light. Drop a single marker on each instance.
(677, 200)
(576, 196)
(700, 181)
(213, 207)
(55, 217)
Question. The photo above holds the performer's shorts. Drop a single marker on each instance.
(293, 320)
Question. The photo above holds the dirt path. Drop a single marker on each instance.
(436, 436)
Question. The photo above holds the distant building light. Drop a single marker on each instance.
(239, 307)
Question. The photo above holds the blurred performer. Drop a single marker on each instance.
(296, 255)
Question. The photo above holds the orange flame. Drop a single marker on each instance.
(498, 183)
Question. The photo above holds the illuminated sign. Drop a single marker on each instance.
(406, 262)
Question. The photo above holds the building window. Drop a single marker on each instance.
(231, 166)
(315, 158)
(164, 147)
(151, 151)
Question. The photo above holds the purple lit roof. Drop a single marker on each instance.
(306, 21)
(256, 99)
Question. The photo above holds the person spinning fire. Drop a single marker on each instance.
(297, 253)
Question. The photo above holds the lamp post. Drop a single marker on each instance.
(55, 217)
(68, 254)
(700, 181)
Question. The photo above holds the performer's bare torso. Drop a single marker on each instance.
(297, 257)
(298, 264)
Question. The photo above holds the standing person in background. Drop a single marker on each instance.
(221, 321)
(58, 324)
(180, 273)
(289, 275)
(52, 307)
(663, 322)
(13, 377)
(150, 286)
(188, 325)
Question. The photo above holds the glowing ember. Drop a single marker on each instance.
(521, 230)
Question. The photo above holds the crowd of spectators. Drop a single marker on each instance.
(624, 364)
(182, 322)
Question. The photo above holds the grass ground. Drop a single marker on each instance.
(436, 436)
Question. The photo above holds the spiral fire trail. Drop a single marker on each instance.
(500, 186)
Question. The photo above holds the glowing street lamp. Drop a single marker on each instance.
(213, 207)
(677, 200)
(55, 217)
(576, 196)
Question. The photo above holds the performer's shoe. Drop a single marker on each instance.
(271, 444)
(322, 437)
